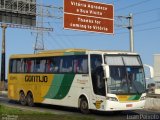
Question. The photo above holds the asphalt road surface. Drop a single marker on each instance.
(126, 115)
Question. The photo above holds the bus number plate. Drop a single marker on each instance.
(129, 105)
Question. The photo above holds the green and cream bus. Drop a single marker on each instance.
(80, 78)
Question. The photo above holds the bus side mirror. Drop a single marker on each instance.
(106, 71)
(151, 71)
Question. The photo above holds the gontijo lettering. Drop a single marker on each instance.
(31, 78)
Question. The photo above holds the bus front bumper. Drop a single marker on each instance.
(117, 106)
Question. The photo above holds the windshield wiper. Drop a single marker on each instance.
(135, 87)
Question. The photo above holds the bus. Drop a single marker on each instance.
(84, 79)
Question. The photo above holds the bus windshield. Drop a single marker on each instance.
(126, 75)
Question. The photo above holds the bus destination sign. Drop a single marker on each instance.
(88, 16)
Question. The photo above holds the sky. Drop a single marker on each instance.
(146, 20)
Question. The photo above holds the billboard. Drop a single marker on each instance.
(88, 16)
(18, 12)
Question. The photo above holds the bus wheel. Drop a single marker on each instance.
(30, 100)
(84, 105)
(22, 98)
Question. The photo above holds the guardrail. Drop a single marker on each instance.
(151, 95)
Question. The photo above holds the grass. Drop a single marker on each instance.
(19, 114)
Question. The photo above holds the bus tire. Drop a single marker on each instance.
(84, 105)
(22, 98)
(30, 100)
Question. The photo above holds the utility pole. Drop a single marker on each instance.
(3, 54)
(39, 44)
(130, 28)
(43, 11)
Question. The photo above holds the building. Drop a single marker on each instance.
(157, 71)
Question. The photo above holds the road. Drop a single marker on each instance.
(130, 115)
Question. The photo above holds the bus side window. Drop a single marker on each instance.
(76, 65)
(54, 65)
(18, 66)
(37, 65)
(47, 65)
(81, 65)
(51, 65)
(66, 64)
(22, 66)
(29, 66)
(69, 62)
(40, 65)
(12, 66)
(84, 66)
(25, 66)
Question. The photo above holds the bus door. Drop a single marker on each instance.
(98, 82)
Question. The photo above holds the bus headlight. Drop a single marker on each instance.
(112, 98)
(143, 98)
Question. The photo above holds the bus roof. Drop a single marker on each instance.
(63, 52)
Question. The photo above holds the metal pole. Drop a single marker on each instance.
(3, 56)
(131, 32)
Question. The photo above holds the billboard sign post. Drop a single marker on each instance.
(88, 16)
(3, 56)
